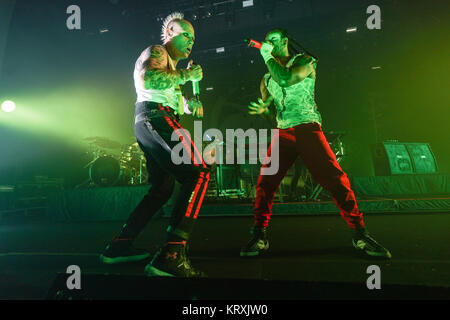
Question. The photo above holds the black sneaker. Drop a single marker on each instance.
(363, 242)
(257, 244)
(171, 261)
(122, 250)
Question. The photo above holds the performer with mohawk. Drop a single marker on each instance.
(158, 108)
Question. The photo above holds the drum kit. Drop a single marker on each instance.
(114, 164)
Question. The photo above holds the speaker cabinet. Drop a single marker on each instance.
(397, 158)
(422, 157)
(391, 158)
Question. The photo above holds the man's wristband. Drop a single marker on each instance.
(267, 57)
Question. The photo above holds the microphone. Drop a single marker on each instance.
(257, 45)
(195, 84)
(253, 43)
(196, 89)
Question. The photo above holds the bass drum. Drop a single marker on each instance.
(105, 171)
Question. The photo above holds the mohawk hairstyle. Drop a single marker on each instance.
(166, 25)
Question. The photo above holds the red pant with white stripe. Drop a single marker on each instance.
(308, 142)
(153, 129)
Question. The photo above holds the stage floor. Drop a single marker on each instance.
(304, 248)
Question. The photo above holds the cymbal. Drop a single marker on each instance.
(104, 142)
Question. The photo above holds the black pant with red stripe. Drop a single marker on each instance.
(154, 127)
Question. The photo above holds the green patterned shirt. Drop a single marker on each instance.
(294, 104)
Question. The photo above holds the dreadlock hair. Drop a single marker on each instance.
(168, 25)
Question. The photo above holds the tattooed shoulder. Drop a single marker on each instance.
(155, 71)
(150, 56)
(157, 51)
(158, 57)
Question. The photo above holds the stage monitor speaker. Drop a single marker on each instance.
(396, 158)
(391, 158)
(422, 157)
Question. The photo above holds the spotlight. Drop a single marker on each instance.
(352, 29)
(8, 106)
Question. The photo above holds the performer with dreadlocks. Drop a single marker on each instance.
(158, 107)
(290, 85)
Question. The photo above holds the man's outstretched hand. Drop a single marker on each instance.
(258, 108)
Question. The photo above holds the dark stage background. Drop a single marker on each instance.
(72, 84)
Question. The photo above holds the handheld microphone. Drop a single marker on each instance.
(195, 89)
(195, 85)
(253, 43)
(257, 45)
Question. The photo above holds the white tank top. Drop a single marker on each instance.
(167, 97)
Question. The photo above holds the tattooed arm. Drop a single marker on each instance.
(153, 70)
(285, 77)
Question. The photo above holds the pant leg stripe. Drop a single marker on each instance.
(206, 178)
(193, 145)
(183, 141)
(199, 204)
(202, 179)
(181, 138)
(192, 201)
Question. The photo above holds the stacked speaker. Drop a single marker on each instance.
(397, 158)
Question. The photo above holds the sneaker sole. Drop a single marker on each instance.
(151, 271)
(373, 253)
(254, 254)
(108, 260)
(379, 254)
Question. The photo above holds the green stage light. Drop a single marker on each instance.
(8, 106)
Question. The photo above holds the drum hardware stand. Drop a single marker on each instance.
(88, 182)
(141, 163)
